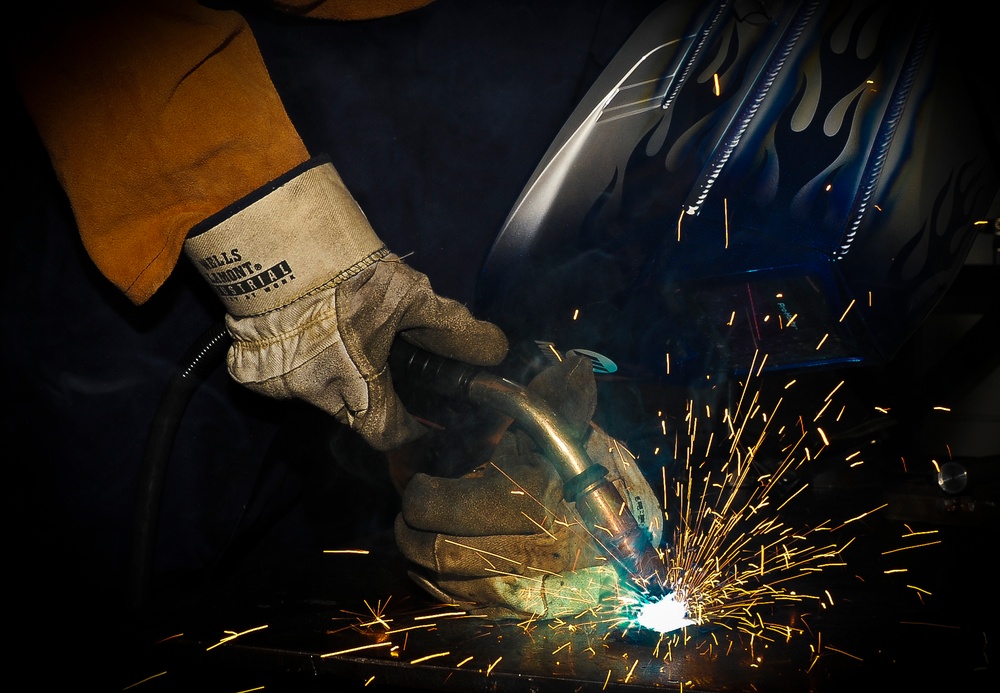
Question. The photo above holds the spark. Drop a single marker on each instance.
(930, 625)
(233, 635)
(760, 368)
(377, 614)
(169, 638)
(356, 649)
(817, 417)
(631, 671)
(482, 552)
(604, 529)
(725, 216)
(444, 615)
(907, 548)
(423, 626)
(846, 654)
(833, 391)
(846, 311)
(361, 552)
(418, 660)
(537, 523)
(865, 514)
(148, 678)
(822, 434)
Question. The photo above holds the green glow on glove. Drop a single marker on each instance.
(577, 591)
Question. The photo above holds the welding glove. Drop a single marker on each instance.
(502, 540)
(314, 301)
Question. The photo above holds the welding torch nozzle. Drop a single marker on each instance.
(600, 505)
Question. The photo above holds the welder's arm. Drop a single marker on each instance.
(161, 122)
(155, 115)
(502, 540)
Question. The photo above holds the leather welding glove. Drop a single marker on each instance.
(502, 540)
(314, 301)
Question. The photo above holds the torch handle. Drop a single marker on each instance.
(416, 366)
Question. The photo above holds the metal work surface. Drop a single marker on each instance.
(353, 620)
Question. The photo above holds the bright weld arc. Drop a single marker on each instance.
(663, 615)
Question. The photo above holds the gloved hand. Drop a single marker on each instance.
(314, 301)
(502, 540)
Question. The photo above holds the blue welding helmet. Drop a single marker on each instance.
(751, 184)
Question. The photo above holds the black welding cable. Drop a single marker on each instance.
(205, 354)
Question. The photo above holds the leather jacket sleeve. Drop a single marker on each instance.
(156, 115)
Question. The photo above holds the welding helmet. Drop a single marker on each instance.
(775, 185)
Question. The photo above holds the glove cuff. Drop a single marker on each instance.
(289, 238)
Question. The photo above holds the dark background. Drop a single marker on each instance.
(435, 120)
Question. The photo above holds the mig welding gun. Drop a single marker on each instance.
(600, 505)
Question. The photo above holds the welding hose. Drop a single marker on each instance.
(207, 352)
(599, 504)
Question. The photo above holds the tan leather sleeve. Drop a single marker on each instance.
(158, 114)
(155, 116)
